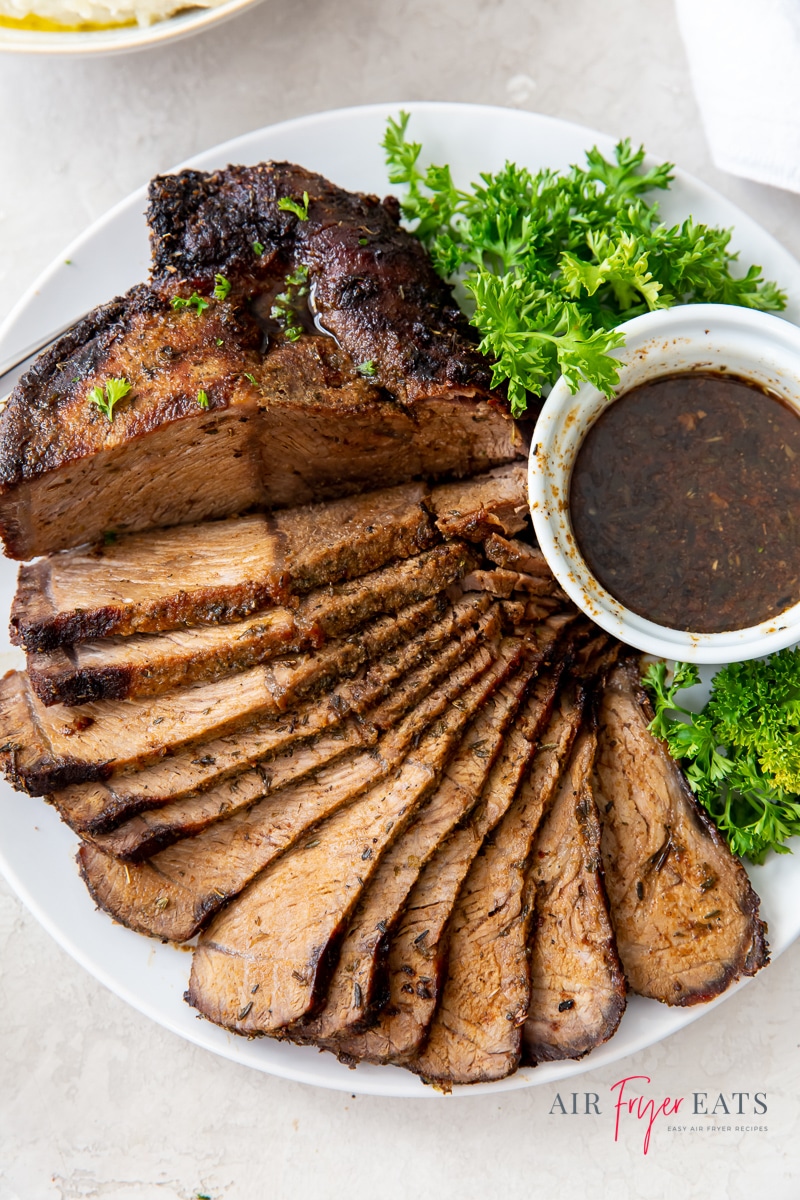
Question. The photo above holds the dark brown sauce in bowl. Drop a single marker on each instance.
(685, 502)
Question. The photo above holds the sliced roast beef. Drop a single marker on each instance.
(154, 829)
(98, 807)
(405, 672)
(353, 990)
(476, 1031)
(119, 668)
(231, 408)
(577, 988)
(685, 915)
(224, 571)
(515, 555)
(217, 571)
(64, 745)
(264, 963)
(417, 952)
(175, 892)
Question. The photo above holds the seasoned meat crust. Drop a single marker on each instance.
(684, 913)
(376, 290)
(384, 384)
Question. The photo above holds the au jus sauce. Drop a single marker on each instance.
(685, 502)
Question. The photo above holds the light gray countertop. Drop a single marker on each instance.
(95, 1100)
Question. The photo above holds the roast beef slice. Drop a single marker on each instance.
(577, 992)
(399, 646)
(175, 892)
(417, 951)
(264, 963)
(118, 668)
(685, 915)
(475, 1034)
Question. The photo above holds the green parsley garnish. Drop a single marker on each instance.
(219, 341)
(252, 378)
(363, 241)
(285, 204)
(202, 399)
(258, 248)
(222, 287)
(551, 262)
(105, 398)
(194, 301)
(284, 307)
(741, 753)
(367, 368)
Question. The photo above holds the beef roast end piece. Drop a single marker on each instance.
(685, 914)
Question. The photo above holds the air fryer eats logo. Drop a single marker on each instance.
(633, 1101)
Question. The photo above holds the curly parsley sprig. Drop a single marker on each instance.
(553, 262)
(741, 753)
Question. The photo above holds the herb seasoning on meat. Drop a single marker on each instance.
(685, 502)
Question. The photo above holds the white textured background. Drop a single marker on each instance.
(95, 1101)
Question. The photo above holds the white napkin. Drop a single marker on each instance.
(744, 57)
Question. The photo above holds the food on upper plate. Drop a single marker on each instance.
(685, 915)
(67, 16)
(293, 343)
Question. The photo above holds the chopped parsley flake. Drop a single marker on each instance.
(284, 309)
(258, 248)
(252, 378)
(194, 301)
(285, 204)
(106, 398)
(222, 287)
(202, 399)
(367, 368)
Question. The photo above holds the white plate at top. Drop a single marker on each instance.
(37, 851)
(118, 39)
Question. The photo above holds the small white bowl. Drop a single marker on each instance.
(692, 337)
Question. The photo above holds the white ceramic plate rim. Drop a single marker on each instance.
(759, 345)
(80, 43)
(35, 849)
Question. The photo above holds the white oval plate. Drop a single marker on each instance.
(121, 40)
(36, 850)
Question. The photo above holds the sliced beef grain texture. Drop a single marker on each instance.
(685, 915)
(417, 951)
(577, 988)
(155, 829)
(476, 1032)
(218, 571)
(406, 643)
(264, 963)
(355, 986)
(119, 668)
(174, 893)
(224, 571)
(286, 421)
